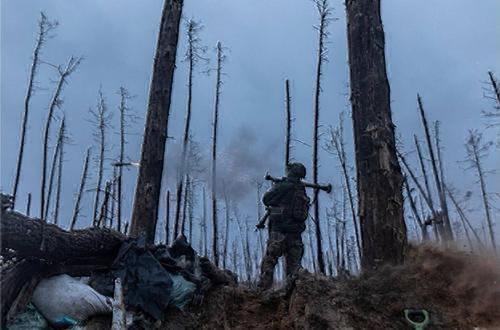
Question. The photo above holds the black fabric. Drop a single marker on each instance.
(281, 202)
(146, 284)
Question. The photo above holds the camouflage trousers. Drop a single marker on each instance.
(280, 244)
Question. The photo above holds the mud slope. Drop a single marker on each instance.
(460, 291)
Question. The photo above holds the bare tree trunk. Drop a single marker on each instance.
(465, 220)
(442, 198)
(44, 27)
(427, 186)
(101, 118)
(192, 56)
(218, 85)
(124, 96)
(59, 173)
(167, 219)
(101, 221)
(118, 320)
(422, 226)
(83, 181)
(28, 205)
(494, 85)
(379, 178)
(226, 228)
(475, 150)
(147, 194)
(205, 223)
(338, 144)
(55, 102)
(324, 18)
(288, 122)
(53, 168)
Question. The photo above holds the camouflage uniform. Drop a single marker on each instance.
(287, 203)
(280, 244)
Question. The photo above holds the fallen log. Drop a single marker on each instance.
(92, 245)
(76, 253)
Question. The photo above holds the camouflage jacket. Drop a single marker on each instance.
(280, 201)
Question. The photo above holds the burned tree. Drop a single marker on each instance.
(147, 194)
(324, 13)
(336, 145)
(100, 118)
(53, 168)
(123, 109)
(215, 124)
(476, 151)
(44, 28)
(167, 219)
(448, 234)
(429, 199)
(81, 189)
(288, 112)
(62, 139)
(192, 56)
(55, 102)
(379, 177)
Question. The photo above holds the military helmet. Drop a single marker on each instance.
(296, 170)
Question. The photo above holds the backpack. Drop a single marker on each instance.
(300, 204)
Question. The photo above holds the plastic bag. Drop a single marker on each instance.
(30, 319)
(182, 291)
(64, 300)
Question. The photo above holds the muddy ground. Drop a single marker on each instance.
(459, 290)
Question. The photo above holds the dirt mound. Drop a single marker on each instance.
(458, 290)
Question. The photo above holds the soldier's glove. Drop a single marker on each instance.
(260, 226)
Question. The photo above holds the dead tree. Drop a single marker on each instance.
(28, 205)
(379, 177)
(204, 234)
(436, 219)
(448, 234)
(413, 206)
(227, 221)
(55, 102)
(493, 93)
(53, 167)
(147, 194)
(81, 189)
(192, 56)
(476, 151)
(324, 13)
(123, 109)
(100, 118)
(103, 214)
(336, 145)
(62, 139)
(44, 28)
(288, 112)
(464, 219)
(427, 185)
(215, 124)
(167, 219)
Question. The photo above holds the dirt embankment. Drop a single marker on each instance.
(459, 290)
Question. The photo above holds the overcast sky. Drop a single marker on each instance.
(441, 50)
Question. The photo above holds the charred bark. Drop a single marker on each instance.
(147, 194)
(379, 177)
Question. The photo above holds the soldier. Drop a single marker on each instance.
(288, 207)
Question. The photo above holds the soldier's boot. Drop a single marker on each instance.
(266, 279)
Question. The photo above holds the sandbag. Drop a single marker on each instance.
(63, 300)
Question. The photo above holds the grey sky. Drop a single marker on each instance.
(442, 50)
